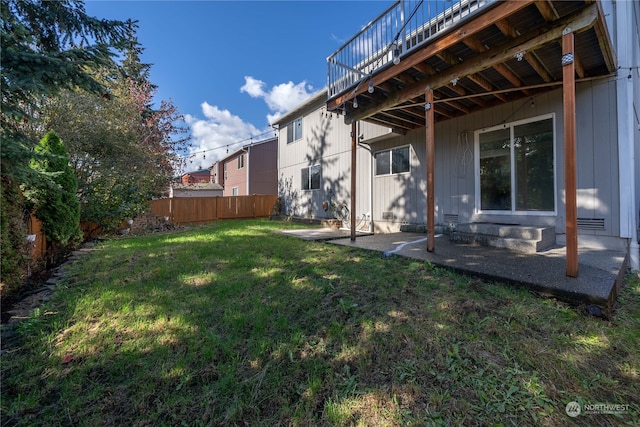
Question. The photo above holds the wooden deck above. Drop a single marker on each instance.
(498, 52)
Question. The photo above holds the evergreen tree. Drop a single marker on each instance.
(55, 201)
(45, 46)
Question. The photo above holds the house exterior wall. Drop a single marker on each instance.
(623, 21)
(608, 156)
(235, 177)
(217, 173)
(326, 141)
(456, 174)
(257, 174)
(262, 161)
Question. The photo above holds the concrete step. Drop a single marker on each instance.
(525, 239)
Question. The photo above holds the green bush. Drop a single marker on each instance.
(54, 197)
(15, 257)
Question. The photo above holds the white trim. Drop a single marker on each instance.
(390, 150)
(626, 152)
(309, 168)
(513, 211)
(293, 129)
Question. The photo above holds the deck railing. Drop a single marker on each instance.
(402, 28)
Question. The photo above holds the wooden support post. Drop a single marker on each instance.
(354, 146)
(430, 137)
(570, 185)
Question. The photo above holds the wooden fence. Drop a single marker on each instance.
(36, 238)
(181, 210)
(184, 210)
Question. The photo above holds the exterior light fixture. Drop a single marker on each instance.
(519, 56)
(355, 102)
(454, 81)
(396, 53)
(370, 88)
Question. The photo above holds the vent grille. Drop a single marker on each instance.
(450, 218)
(388, 215)
(595, 224)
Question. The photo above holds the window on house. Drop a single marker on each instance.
(516, 167)
(225, 171)
(240, 161)
(311, 177)
(393, 161)
(234, 191)
(294, 130)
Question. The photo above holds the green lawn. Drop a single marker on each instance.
(233, 324)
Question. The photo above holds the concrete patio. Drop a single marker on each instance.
(600, 275)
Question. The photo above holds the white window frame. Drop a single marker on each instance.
(235, 191)
(513, 211)
(294, 130)
(391, 150)
(241, 161)
(308, 168)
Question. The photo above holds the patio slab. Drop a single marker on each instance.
(600, 272)
(321, 233)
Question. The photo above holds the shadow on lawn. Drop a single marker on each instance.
(264, 329)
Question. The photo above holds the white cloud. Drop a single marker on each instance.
(214, 133)
(253, 87)
(280, 98)
(220, 128)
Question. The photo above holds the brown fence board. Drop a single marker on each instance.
(161, 207)
(179, 210)
(207, 209)
(193, 209)
(39, 245)
(264, 205)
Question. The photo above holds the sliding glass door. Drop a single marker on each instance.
(516, 167)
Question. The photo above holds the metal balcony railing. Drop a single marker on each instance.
(402, 28)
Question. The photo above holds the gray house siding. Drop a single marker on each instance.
(326, 141)
(403, 195)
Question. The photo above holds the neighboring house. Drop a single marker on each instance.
(197, 189)
(216, 172)
(519, 112)
(250, 170)
(203, 175)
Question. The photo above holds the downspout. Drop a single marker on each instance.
(370, 213)
(246, 165)
(370, 190)
(626, 151)
(277, 130)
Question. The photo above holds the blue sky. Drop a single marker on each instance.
(232, 66)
